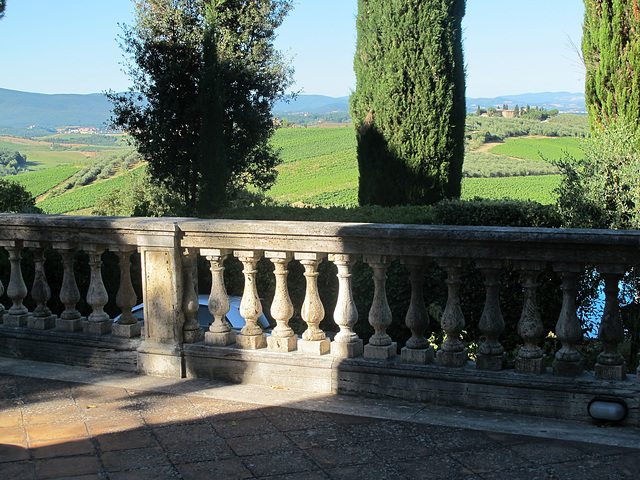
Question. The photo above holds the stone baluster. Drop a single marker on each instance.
(41, 318)
(346, 343)
(314, 340)
(380, 346)
(610, 364)
(220, 331)
(127, 325)
(418, 349)
(18, 314)
(282, 338)
(70, 320)
(251, 336)
(99, 322)
(568, 361)
(491, 354)
(530, 358)
(191, 330)
(452, 353)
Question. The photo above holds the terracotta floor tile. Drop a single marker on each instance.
(12, 453)
(17, 470)
(68, 413)
(55, 431)
(114, 424)
(184, 433)
(133, 458)
(13, 436)
(62, 448)
(227, 469)
(167, 472)
(67, 467)
(137, 438)
(10, 418)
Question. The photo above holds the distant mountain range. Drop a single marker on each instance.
(21, 110)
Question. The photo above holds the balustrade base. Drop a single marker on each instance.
(161, 360)
(251, 342)
(568, 369)
(491, 362)
(418, 356)
(452, 359)
(278, 344)
(347, 350)
(611, 372)
(220, 339)
(42, 323)
(314, 347)
(126, 331)
(193, 336)
(531, 365)
(381, 352)
(16, 320)
(97, 328)
(70, 325)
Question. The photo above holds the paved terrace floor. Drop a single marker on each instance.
(68, 422)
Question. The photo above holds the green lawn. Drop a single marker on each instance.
(531, 148)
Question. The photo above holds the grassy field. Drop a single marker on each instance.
(538, 188)
(535, 148)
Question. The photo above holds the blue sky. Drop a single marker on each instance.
(511, 46)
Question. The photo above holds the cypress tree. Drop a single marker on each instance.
(611, 50)
(409, 105)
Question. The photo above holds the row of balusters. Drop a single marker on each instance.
(346, 343)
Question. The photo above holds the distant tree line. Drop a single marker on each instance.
(11, 162)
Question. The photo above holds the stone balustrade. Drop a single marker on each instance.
(170, 341)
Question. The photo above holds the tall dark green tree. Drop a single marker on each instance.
(205, 76)
(3, 4)
(611, 51)
(409, 104)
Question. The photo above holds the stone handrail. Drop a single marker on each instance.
(169, 247)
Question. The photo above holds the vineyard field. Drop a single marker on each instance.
(539, 188)
(39, 182)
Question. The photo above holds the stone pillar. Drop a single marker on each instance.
(162, 290)
(251, 336)
(282, 338)
(70, 320)
(491, 354)
(220, 331)
(568, 362)
(610, 364)
(314, 340)
(418, 349)
(452, 353)
(98, 322)
(346, 343)
(127, 325)
(191, 330)
(16, 290)
(41, 318)
(530, 358)
(380, 346)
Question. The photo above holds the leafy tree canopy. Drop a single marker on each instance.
(3, 4)
(205, 76)
(611, 50)
(15, 199)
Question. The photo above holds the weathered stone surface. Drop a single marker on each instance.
(347, 350)
(15, 320)
(611, 372)
(220, 339)
(251, 342)
(70, 325)
(42, 323)
(376, 352)
(277, 344)
(531, 365)
(420, 356)
(452, 359)
(126, 331)
(491, 362)
(314, 347)
(97, 328)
